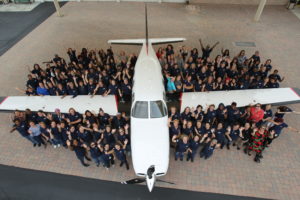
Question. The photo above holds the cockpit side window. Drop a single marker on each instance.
(157, 109)
(140, 109)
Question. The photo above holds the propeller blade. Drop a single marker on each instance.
(158, 180)
(134, 181)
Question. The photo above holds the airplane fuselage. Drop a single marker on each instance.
(149, 117)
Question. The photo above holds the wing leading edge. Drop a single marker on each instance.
(50, 103)
(272, 96)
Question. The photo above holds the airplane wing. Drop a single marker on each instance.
(50, 103)
(274, 96)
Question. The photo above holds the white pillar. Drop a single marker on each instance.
(260, 10)
(57, 7)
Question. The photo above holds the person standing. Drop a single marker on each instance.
(79, 150)
(181, 147)
(35, 133)
(209, 148)
(119, 153)
(257, 142)
(207, 50)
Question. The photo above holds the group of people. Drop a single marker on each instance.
(88, 73)
(104, 73)
(105, 138)
(252, 128)
(189, 71)
(97, 136)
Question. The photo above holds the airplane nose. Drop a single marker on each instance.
(150, 177)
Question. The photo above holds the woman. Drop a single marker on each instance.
(245, 134)
(257, 143)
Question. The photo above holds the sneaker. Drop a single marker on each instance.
(54, 146)
(39, 145)
(58, 145)
(34, 145)
(238, 148)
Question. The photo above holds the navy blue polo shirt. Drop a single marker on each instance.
(120, 154)
(56, 133)
(181, 147)
(22, 129)
(220, 134)
(109, 137)
(82, 90)
(188, 84)
(234, 134)
(101, 91)
(91, 88)
(122, 138)
(174, 131)
(104, 119)
(208, 150)
(95, 152)
(188, 131)
(73, 92)
(175, 116)
(113, 89)
(200, 130)
(232, 114)
(186, 117)
(74, 117)
(210, 115)
(268, 113)
(85, 136)
(126, 88)
(62, 92)
(278, 128)
(41, 119)
(194, 145)
(45, 132)
(209, 86)
(52, 91)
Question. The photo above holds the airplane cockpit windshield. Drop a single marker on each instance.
(157, 109)
(140, 109)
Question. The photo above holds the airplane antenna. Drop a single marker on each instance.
(146, 20)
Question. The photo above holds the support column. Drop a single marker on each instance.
(57, 7)
(260, 10)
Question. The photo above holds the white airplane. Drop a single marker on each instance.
(149, 129)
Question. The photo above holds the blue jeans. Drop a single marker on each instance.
(98, 160)
(191, 155)
(179, 155)
(28, 137)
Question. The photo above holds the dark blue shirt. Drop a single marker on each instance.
(22, 129)
(181, 147)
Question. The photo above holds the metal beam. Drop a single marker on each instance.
(260, 10)
(57, 7)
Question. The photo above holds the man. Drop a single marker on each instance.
(35, 133)
(256, 114)
(207, 50)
